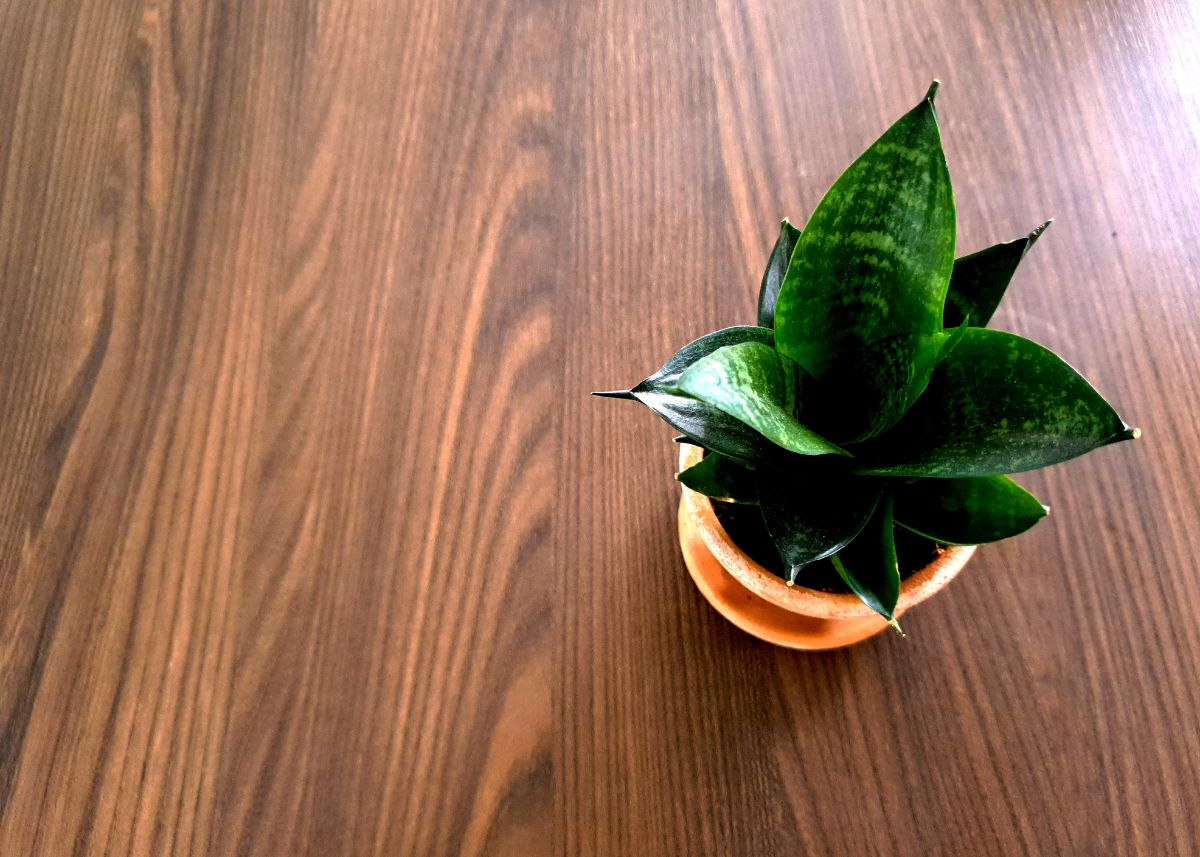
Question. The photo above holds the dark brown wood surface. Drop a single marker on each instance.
(312, 542)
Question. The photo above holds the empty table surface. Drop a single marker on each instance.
(312, 541)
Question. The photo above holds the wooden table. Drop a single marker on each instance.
(313, 542)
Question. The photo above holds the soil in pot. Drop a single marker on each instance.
(745, 526)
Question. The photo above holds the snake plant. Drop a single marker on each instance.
(871, 396)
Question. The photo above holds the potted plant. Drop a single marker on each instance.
(842, 457)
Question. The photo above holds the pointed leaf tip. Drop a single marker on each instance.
(933, 88)
(1127, 433)
(967, 511)
(704, 425)
(998, 404)
(614, 394)
(776, 271)
(979, 280)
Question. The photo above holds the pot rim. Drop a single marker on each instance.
(799, 599)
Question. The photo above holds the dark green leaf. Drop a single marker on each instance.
(969, 511)
(997, 404)
(777, 267)
(749, 381)
(666, 377)
(868, 564)
(874, 261)
(721, 478)
(978, 281)
(705, 425)
(901, 365)
(812, 508)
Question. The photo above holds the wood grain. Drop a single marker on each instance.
(312, 543)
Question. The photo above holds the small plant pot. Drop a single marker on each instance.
(762, 604)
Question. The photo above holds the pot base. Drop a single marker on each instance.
(756, 615)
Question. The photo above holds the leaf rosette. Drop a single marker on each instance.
(871, 398)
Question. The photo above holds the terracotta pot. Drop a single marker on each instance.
(762, 604)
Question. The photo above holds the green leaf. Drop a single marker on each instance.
(997, 404)
(722, 479)
(813, 508)
(951, 338)
(874, 260)
(666, 377)
(979, 280)
(777, 266)
(703, 424)
(868, 565)
(749, 381)
(972, 510)
(902, 365)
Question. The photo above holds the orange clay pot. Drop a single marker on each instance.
(762, 604)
